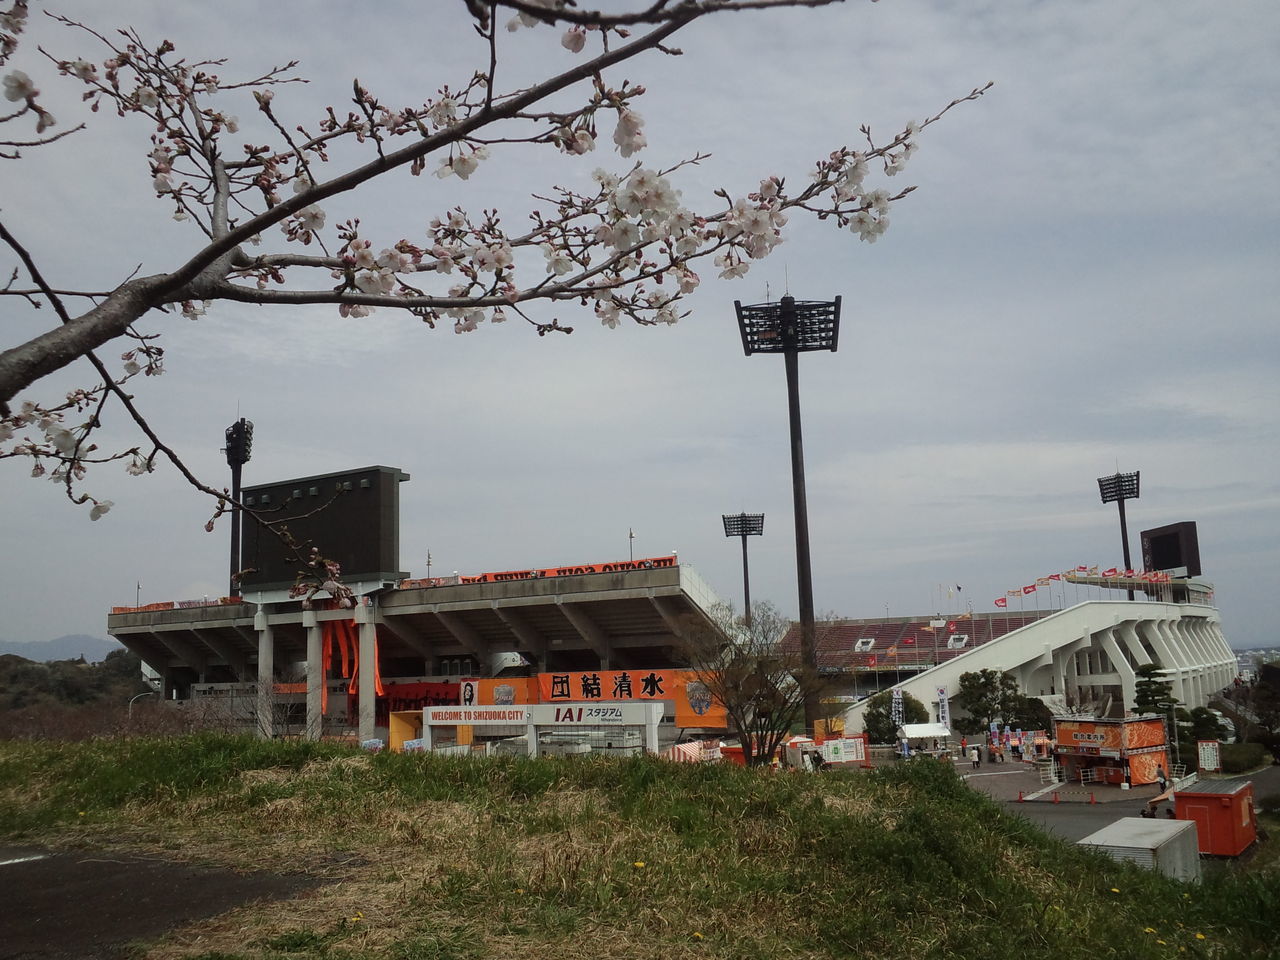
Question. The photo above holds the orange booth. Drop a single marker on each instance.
(1104, 750)
(1226, 824)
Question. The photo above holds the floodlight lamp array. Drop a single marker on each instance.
(1119, 486)
(743, 524)
(789, 325)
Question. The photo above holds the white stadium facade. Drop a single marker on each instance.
(1082, 658)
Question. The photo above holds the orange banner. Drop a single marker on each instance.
(507, 691)
(694, 704)
(1085, 734)
(1144, 733)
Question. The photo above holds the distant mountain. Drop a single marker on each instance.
(93, 649)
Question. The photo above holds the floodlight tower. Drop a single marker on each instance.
(1120, 487)
(239, 448)
(790, 327)
(744, 525)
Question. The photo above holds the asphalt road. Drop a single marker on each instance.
(1074, 817)
(60, 905)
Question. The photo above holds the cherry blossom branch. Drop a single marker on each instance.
(193, 268)
(660, 12)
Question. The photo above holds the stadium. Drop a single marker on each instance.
(269, 659)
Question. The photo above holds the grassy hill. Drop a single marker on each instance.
(456, 858)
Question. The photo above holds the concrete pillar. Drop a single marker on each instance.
(368, 667)
(266, 675)
(315, 676)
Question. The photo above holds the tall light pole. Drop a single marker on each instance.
(744, 525)
(1120, 487)
(238, 450)
(790, 327)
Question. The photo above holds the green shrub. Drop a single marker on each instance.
(1239, 757)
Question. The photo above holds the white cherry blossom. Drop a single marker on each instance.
(18, 87)
(574, 39)
(629, 135)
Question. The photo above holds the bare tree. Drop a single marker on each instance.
(762, 682)
(626, 248)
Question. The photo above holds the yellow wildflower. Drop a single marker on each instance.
(639, 864)
(1199, 936)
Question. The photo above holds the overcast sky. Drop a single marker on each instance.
(1085, 280)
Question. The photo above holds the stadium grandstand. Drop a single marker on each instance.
(305, 664)
(1081, 659)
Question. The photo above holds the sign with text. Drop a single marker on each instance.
(618, 566)
(1210, 754)
(694, 704)
(593, 714)
(476, 716)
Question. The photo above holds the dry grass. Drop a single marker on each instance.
(479, 860)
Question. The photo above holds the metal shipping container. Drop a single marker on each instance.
(1165, 845)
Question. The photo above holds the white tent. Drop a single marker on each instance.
(921, 731)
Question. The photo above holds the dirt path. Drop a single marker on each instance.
(59, 905)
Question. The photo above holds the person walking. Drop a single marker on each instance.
(976, 757)
(1161, 779)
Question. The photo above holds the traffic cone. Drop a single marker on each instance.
(1055, 797)
(1020, 800)
(1091, 797)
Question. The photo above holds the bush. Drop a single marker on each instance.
(1239, 757)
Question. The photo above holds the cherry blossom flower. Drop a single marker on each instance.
(311, 218)
(580, 143)
(574, 39)
(100, 509)
(12, 20)
(394, 260)
(608, 313)
(376, 281)
(62, 439)
(444, 259)
(492, 259)
(628, 135)
(361, 254)
(443, 112)
(146, 98)
(18, 87)
(84, 70)
(607, 180)
(558, 261)
(731, 266)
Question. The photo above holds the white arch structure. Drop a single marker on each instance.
(1090, 647)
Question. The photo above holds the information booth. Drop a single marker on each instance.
(1104, 750)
